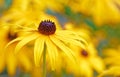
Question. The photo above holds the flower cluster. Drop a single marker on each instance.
(58, 38)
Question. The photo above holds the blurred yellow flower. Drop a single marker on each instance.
(8, 58)
(88, 59)
(32, 8)
(102, 12)
(112, 61)
(23, 18)
(48, 38)
(23, 12)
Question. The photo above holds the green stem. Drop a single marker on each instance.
(44, 62)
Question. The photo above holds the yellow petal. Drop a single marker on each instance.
(29, 28)
(25, 41)
(91, 49)
(67, 51)
(11, 64)
(72, 35)
(2, 63)
(97, 64)
(38, 50)
(71, 41)
(52, 52)
(85, 69)
(25, 62)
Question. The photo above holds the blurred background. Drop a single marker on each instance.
(96, 20)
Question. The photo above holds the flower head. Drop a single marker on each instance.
(48, 37)
(88, 59)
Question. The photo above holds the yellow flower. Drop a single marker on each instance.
(88, 59)
(21, 61)
(20, 7)
(102, 12)
(8, 59)
(112, 61)
(48, 38)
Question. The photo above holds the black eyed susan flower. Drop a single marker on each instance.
(88, 59)
(49, 38)
(8, 59)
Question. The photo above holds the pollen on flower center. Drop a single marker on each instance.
(84, 53)
(47, 27)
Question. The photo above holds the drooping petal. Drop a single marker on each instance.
(64, 48)
(38, 50)
(72, 35)
(72, 41)
(25, 41)
(52, 52)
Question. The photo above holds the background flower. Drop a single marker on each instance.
(102, 12)
(10, 61)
